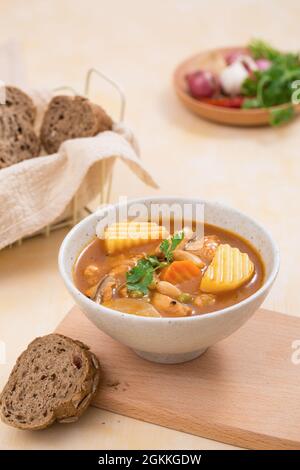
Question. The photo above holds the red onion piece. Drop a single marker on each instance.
(202, 84)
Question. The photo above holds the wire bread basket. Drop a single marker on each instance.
(106, 174)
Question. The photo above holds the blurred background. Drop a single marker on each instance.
(140, 43)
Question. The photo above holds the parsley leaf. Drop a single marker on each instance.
(249, 86)
(154, 261)
(164, 247)
(140, 276)
(251, 103)
(176, 239)
(138, 271)
(143, 284)
(281, 115)
(262, 50)
(167, 247)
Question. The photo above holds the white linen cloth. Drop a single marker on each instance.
(36, 192)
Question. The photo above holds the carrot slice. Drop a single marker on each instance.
(180, 271)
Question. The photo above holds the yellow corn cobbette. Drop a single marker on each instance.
(228, 270)
(124, 235)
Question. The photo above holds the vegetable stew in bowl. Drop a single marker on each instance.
(140, 268)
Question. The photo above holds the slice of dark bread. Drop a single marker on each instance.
(69, 117)
(18, 141)
(20, 103)
(55, 379)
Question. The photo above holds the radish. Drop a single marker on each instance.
(202, 84)
(263, 64)
(233, 76)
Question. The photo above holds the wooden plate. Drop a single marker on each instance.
(214, 61)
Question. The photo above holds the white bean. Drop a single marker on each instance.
(181, 255)
(169, 289)
(165, 304)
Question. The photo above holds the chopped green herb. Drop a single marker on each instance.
(154, 261)
(167, 247)
(164, 247)
(137, 272)
(262, 50)
(176, 239)
(251, 103)
(282, 115)
(140, 277)
(249, 87)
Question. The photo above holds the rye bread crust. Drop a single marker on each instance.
(54, 379)
(18, 140)
(69, 117)
(21, 103)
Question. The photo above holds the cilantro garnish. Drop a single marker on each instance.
(140, 277)
(281, 115)
(261, 49)
(168, 246)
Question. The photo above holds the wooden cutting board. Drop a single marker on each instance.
(243, 391)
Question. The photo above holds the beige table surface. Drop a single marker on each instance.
(256, 170)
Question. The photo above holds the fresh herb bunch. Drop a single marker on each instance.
(262, 50)
(140, 277)
(272, 87)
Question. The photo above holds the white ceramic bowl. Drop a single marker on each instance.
(173, 340)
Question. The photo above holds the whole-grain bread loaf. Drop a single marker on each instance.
(20, 102)
(69, 117)
(18, 140)
(54, 379)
